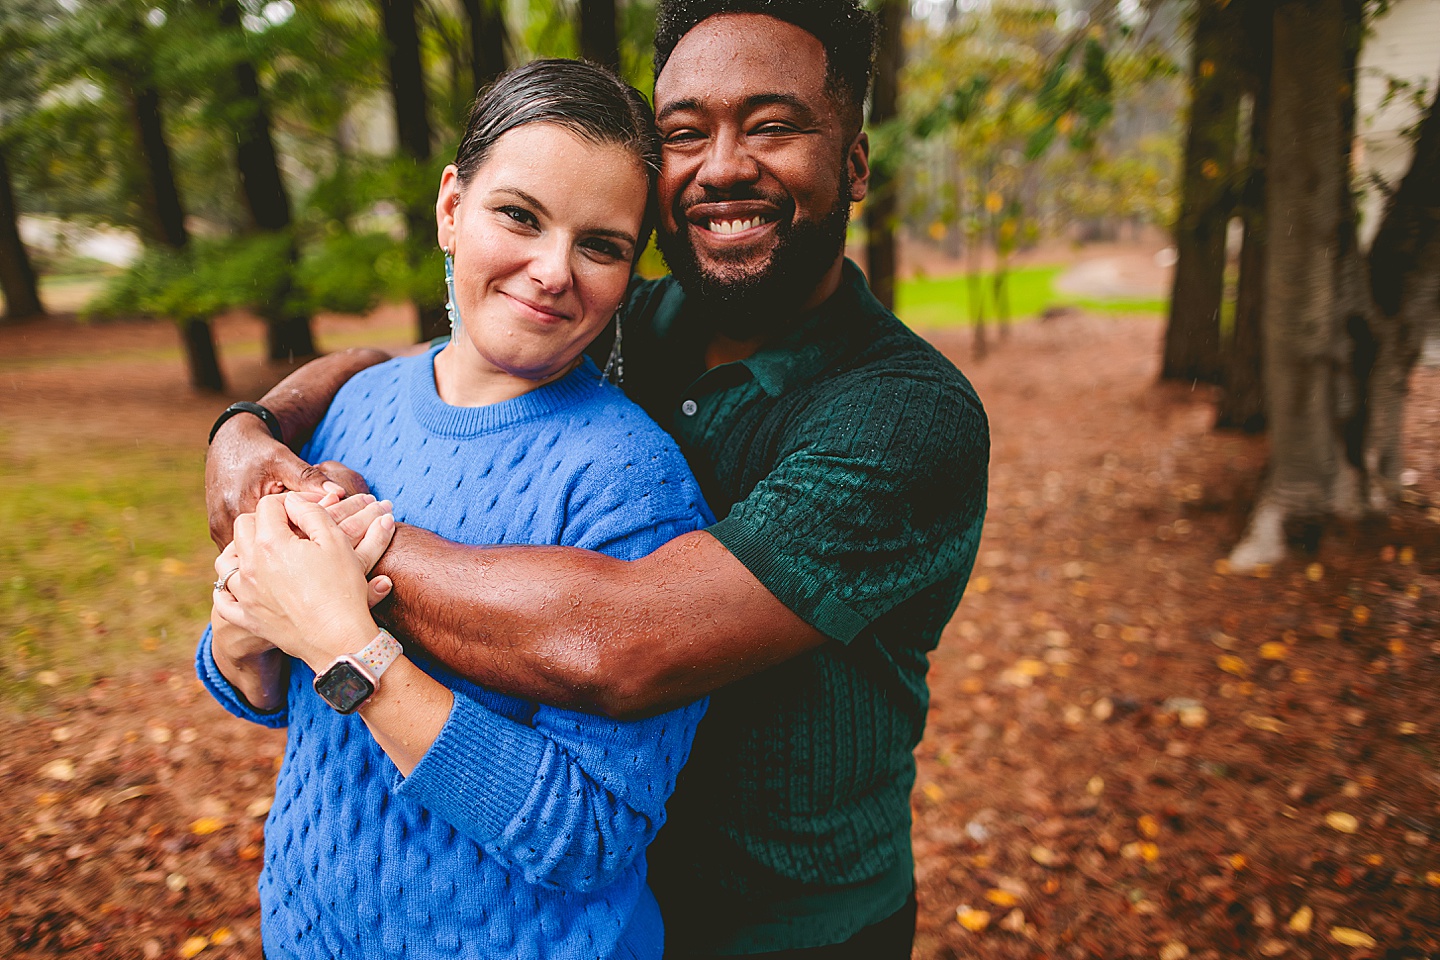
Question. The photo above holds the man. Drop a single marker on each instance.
(846, 457)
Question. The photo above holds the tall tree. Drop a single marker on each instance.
(288, 335)
(599, 38)
(412, 123)
(489, 38)
(1342, 330)
(1242, 402)
(1192, 337)
(17, 275)
(882, 204)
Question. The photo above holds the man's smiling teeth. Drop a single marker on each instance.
(735, 226)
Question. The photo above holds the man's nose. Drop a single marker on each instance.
(727, 163)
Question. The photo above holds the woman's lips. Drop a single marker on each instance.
(537, 311)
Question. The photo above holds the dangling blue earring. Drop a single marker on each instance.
(615, 366)
(457, 326)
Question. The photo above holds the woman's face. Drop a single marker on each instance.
(543, 237)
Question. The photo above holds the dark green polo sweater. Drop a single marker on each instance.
(847, 464)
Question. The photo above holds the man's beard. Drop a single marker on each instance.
(743, 304)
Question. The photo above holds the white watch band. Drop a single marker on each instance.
(380, 653)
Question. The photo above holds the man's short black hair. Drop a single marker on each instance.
(844, 27)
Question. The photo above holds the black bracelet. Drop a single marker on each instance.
(245, 406)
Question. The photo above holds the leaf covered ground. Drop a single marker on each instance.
(1130, 752)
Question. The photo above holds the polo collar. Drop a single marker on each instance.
(819, 336)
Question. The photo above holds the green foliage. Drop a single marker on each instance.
(248, 272)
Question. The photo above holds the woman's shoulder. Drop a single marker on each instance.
(611, 425)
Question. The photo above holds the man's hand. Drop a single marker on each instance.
(245, 463)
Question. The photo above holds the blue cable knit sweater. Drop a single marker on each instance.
(522, 832)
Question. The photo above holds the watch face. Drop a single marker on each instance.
(344, 687)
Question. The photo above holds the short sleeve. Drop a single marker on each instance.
(881, 496)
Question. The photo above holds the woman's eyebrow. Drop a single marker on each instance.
(524, 197)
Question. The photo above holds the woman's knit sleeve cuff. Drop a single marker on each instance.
(227, 696)
(479, 772)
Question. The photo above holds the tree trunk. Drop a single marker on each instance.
(407, 78)
(1242, 404)
(882, 202)
(488, 39)
(599, 40)
(1404, 269)
(162, 198)
(1307, 175)
(17, 276)
(287, 335)
(200, 357)
(1192, 338)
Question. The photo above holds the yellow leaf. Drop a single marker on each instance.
(193, 947)
(1150, 852)
(1351, 937)
(1149, 826)
(980, 585)
(1432, 877)
(1237, 861)
(222, 936)
(1031, 667)
(1222, 567)
(1274, 650)
(1407, 555)
(1269, 724)
(1174, 950)
(972, 920)
(1044, 856)
(1232, 664)
(1001, 898)
(1397, 646)
(1406, 728)
(1343, 822)
(1361, 614)
(1413, 591)
(207, 825)
(933, 793)
(994, 202)
(1300, 922)
(1301, 675)
(1315, 572)
(63, 770)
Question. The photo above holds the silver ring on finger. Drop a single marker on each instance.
(224, 582)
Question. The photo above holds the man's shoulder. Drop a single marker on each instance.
(901, 367)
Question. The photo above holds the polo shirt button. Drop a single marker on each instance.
(689, 407)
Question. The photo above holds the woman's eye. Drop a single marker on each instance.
(520, 215)
(605, 249)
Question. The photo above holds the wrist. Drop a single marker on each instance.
(341, 637)
(245, 410)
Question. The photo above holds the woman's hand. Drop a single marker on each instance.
(301, 584)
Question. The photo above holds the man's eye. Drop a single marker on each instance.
(683, 136)
(773, 129)
(520, 215)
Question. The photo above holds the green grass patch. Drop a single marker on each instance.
(106, 564)
(930, 302)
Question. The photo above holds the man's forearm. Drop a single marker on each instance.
(301, 399)
(584, 631)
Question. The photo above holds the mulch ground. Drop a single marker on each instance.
(1130, 751)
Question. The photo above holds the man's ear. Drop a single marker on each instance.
(858, 162)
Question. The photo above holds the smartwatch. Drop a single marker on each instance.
(351, 679)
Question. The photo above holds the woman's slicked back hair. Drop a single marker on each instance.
(588, 100)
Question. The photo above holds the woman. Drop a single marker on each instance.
(442, 819)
